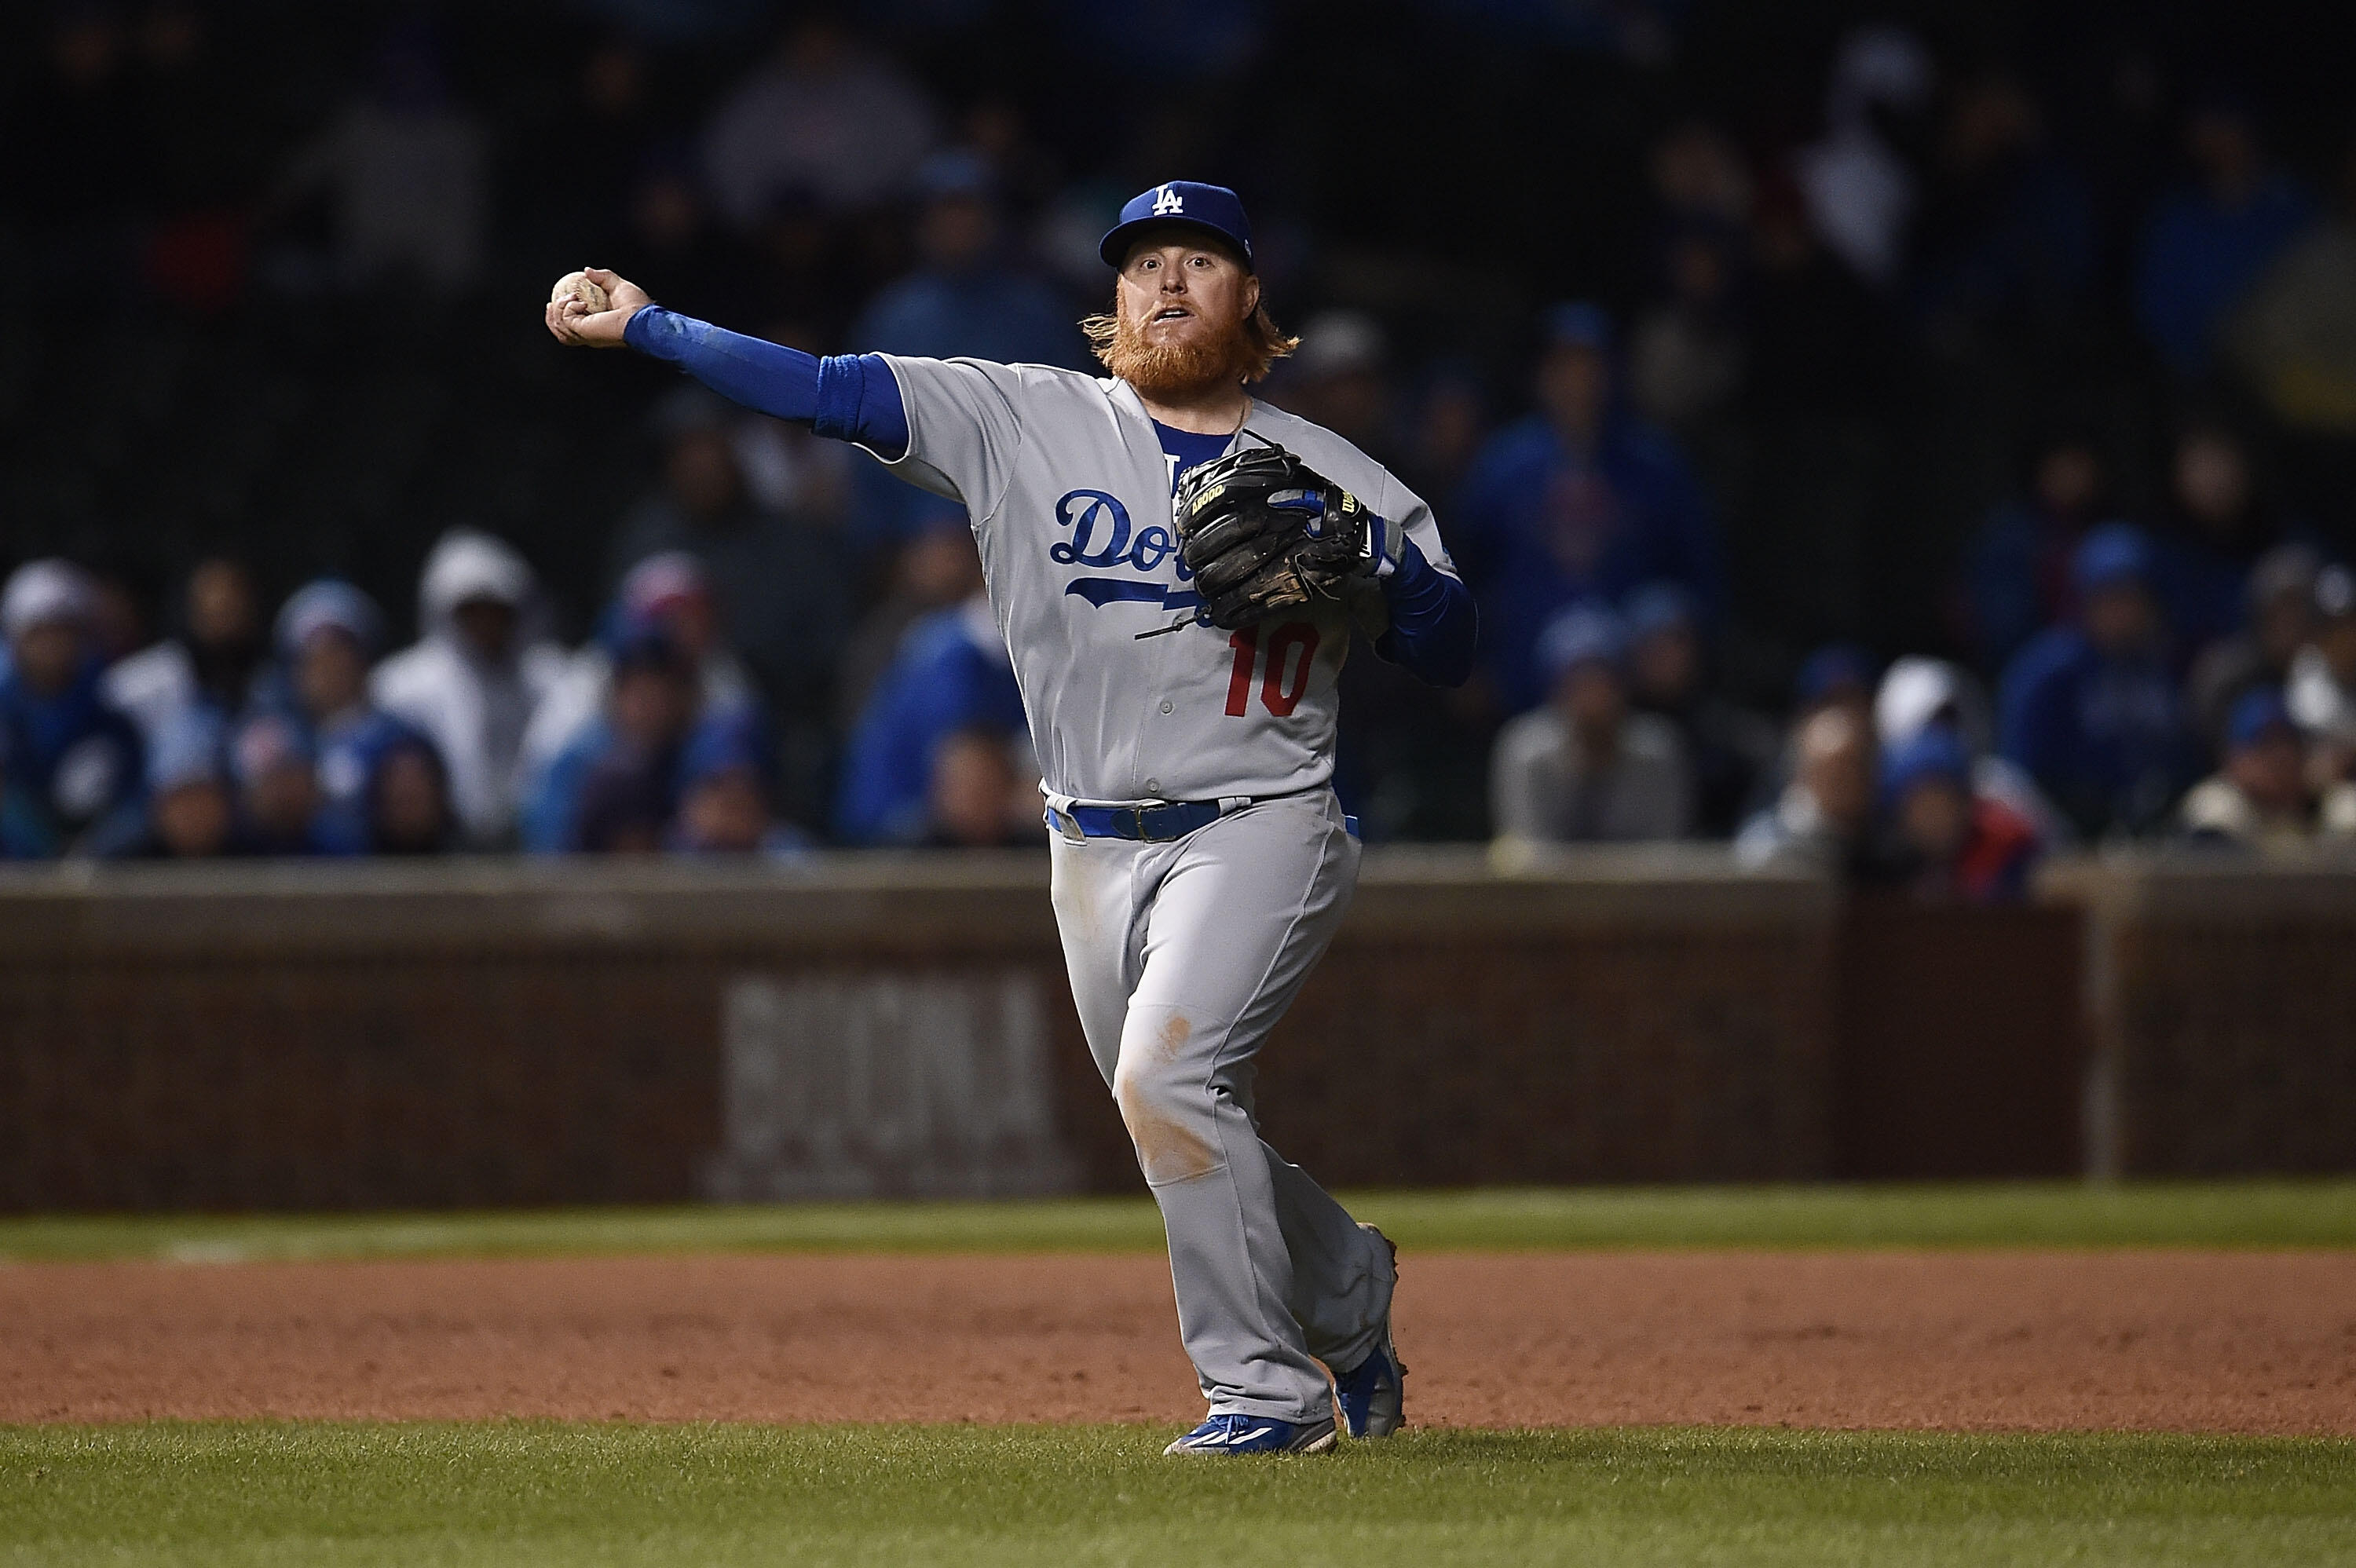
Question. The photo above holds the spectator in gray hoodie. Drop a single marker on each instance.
(1582, 768)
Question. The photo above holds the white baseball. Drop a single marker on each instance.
(583, 287)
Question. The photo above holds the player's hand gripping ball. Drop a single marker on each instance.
(1264, 533)
(583, 287)
(591, 308)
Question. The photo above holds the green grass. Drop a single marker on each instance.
(2212, 1214)
(581, 1495)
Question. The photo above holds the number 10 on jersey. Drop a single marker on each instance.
(1291, 649)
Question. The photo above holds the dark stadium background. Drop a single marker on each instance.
(1439, 166)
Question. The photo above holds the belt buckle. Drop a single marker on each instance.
(1133, 818)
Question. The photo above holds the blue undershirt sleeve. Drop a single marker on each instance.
(847, 397)
(1433, 624)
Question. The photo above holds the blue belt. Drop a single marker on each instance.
(1147, 823)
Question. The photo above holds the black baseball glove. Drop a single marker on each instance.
(1265, 533)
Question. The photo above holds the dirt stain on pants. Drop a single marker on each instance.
(1167, 1149)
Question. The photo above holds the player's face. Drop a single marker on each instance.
(1184, 293)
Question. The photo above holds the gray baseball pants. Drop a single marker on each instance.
(1182, 956)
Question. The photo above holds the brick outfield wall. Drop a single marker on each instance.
(2222, 1005)
(509, 1033)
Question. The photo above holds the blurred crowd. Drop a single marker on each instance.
(302, 734)
(1943, 451)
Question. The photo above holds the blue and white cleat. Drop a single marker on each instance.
(1255, 1434)
(1373, 1394)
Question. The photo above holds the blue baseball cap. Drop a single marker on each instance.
(1584, 633)
(2256, 714)
(647, 644)
(1184, 203)
(1933, 752)
(724, 743)
(2112, 554)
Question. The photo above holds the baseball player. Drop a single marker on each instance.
(1177, 570)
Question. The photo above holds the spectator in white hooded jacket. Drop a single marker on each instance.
(472, 682)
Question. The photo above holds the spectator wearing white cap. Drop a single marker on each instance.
(472, 681)
(74, 760)
(1582, 768)
(1918, 693)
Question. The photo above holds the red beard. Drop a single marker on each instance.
(1177, 371)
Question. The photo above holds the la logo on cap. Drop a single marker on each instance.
(1167, 201)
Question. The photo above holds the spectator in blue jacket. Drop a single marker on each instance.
(727, 782)
(1583, 500)
(2016, 567)
(326, 634)
(75, 765)
(968, 296)
(191, 813)
(277, 788)
(616, 788)
(2208, 240)
(2090, 707)
(951, 673)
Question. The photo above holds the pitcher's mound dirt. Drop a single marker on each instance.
(2218, 1342)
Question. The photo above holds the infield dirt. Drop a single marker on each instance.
(2245, 1342)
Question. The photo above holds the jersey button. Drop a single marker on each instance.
(1168, 706)
(1153, 786)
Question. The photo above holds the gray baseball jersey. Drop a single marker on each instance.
(1068, 489)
